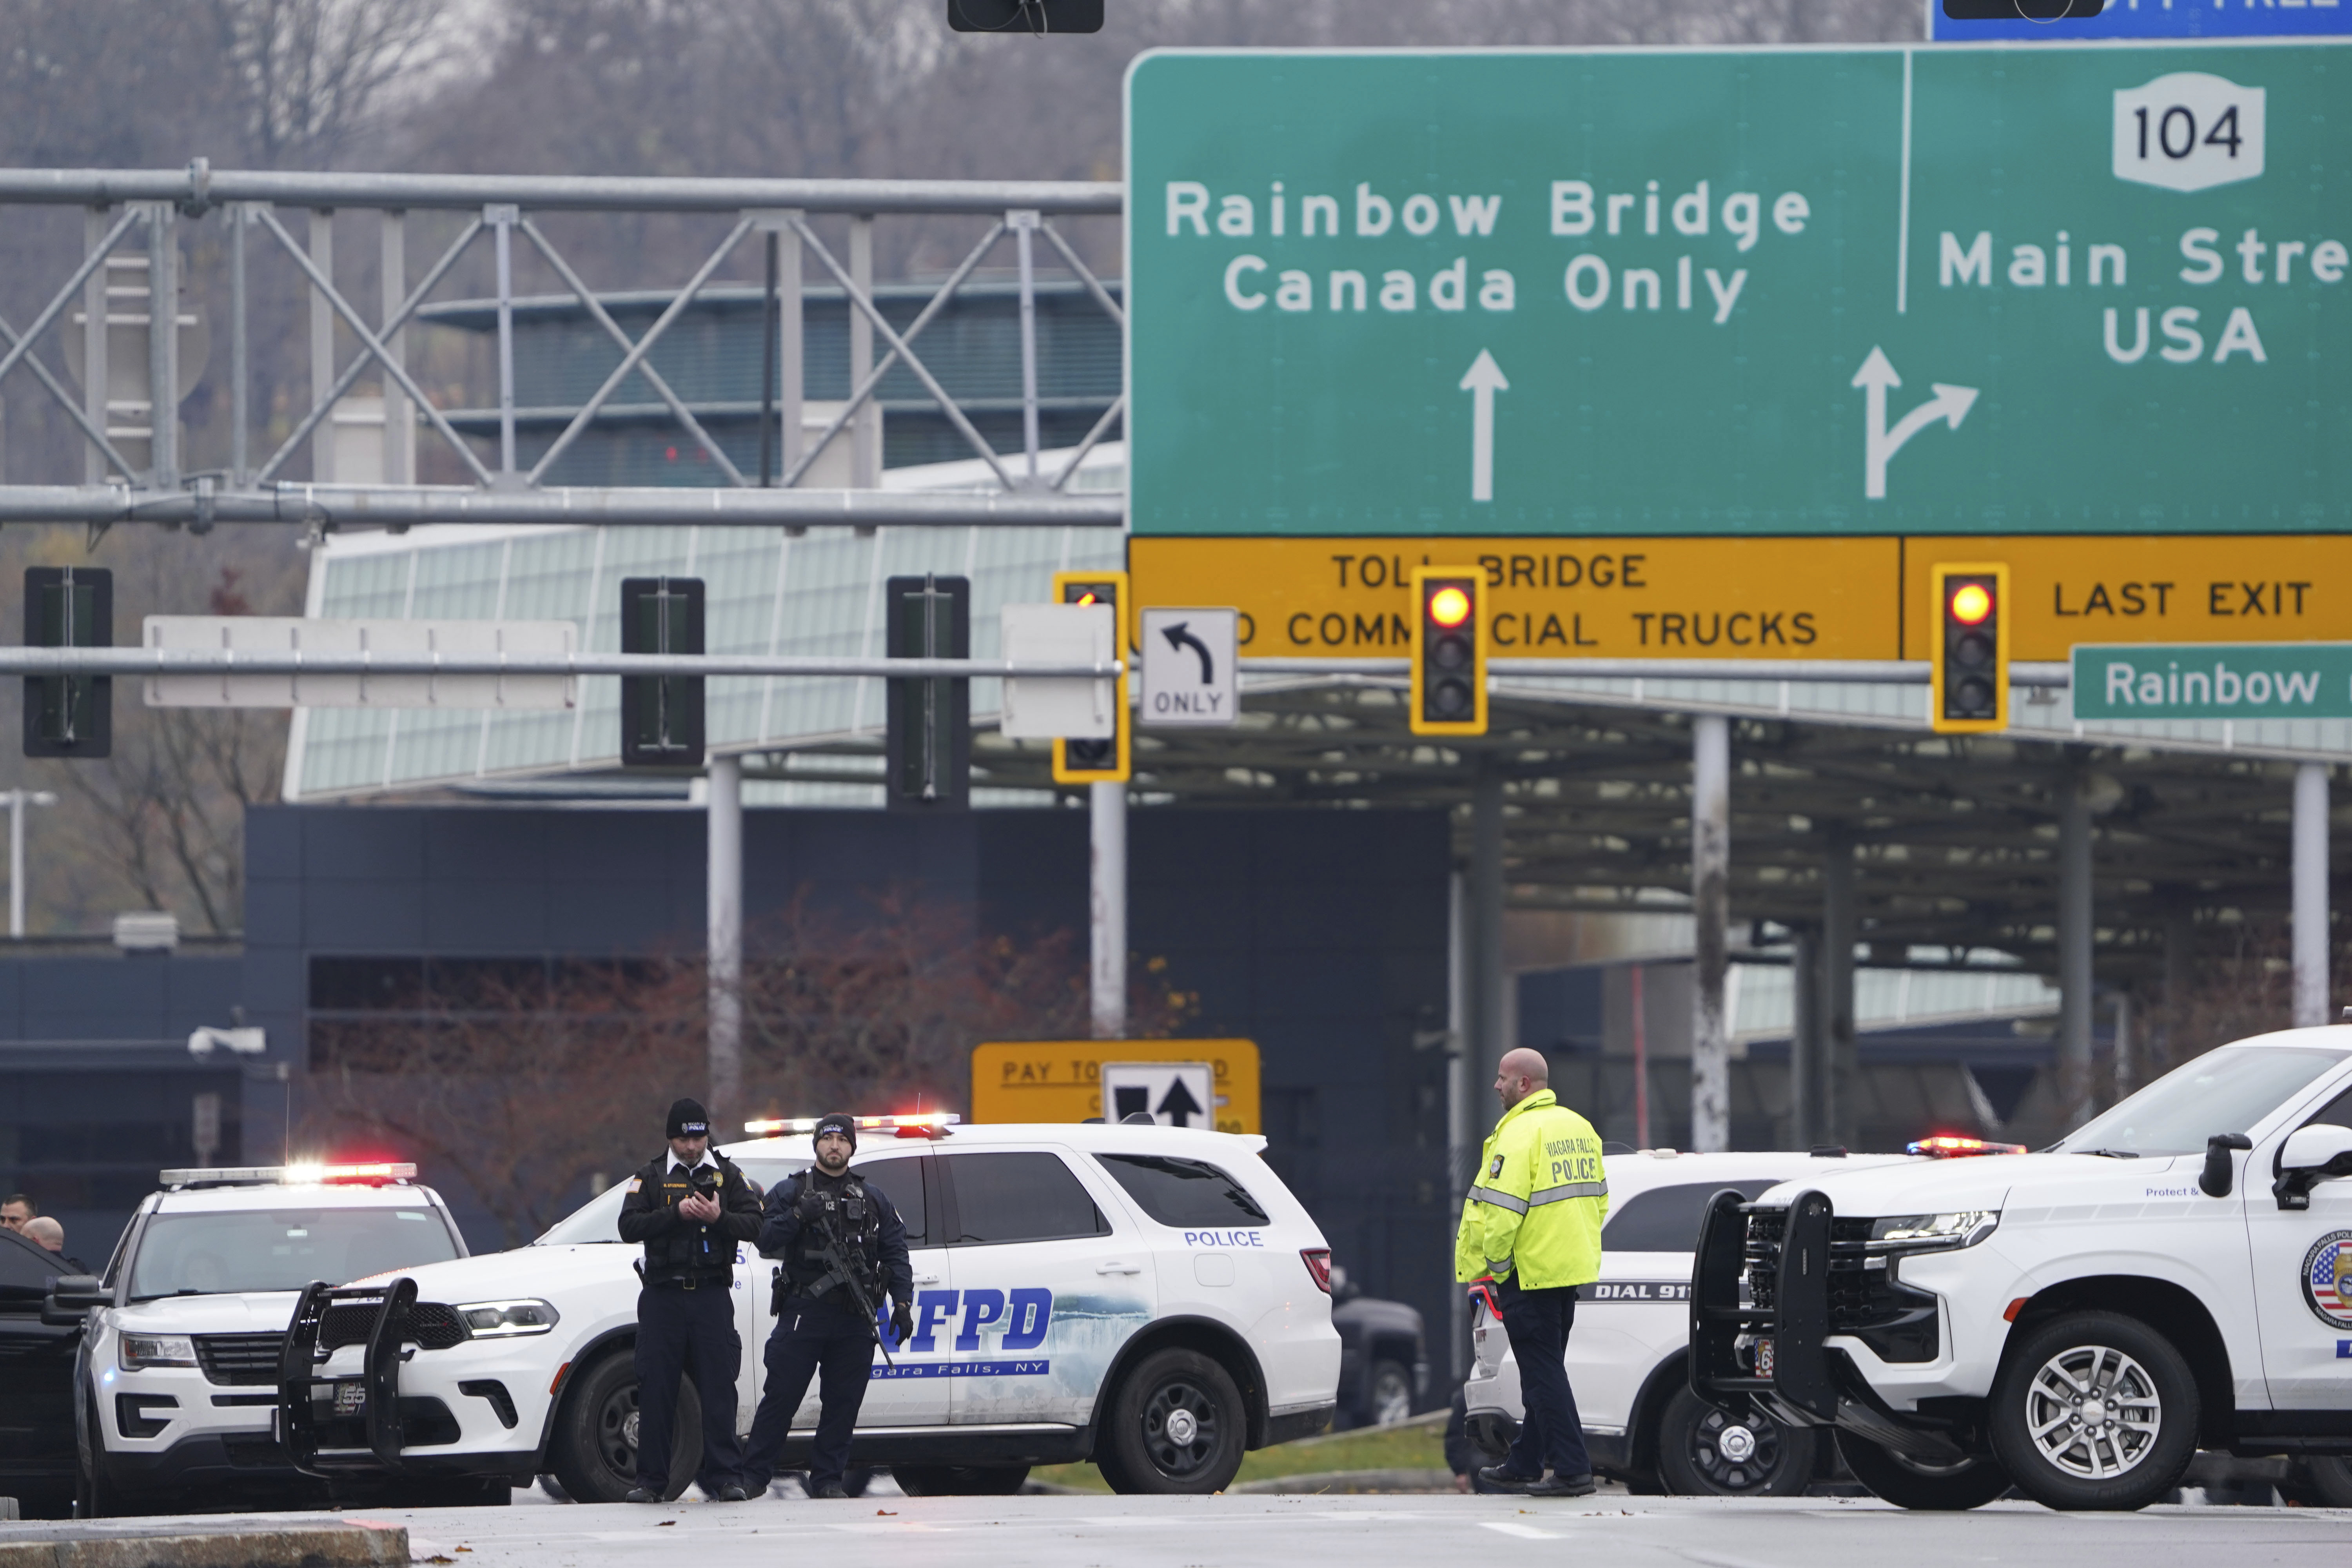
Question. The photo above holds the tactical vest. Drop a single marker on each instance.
(694, 1252)
(853, 1223)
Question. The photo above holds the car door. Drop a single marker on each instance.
(2303, 1274)
(907, 1391)
(37, 1362)
(1052, 1277)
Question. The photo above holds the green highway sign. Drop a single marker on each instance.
(2213, 680)
(2097, 289)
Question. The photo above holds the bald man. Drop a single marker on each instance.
(1531, 1222)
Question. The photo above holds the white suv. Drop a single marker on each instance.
(2177, 1274)
(1627, 1358)
(1150, 1297)
(178, 1369)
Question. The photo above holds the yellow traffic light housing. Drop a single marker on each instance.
(1109, 759)
(1969, 657)
(1449, 652)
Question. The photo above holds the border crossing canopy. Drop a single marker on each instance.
(1867, 292)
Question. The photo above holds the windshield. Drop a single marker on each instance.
(599, 1219)
(281, 1249)
(2227, 1091)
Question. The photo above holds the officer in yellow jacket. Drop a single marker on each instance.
(1532, 1223)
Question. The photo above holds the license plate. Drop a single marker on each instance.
(1763, 1358)
(351, 1398)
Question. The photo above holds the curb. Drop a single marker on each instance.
(89, 1544)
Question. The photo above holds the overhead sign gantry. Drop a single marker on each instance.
(1709, 354)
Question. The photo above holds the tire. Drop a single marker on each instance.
(959, 1480)
(1177, 1425)
(1704, 1451)
(96, 1493)
(1910, 1483)
(1391, 1400)
(2327, 1481)
(2123, 1403)
(593, 1452)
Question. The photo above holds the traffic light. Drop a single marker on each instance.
(1969, 657)
(1449, 652)
(661, 715)
(1105, 761)
(68, 715)
(930, 742)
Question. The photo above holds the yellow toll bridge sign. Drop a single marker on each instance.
(1061, 1080)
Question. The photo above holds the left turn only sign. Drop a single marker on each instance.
(1189, 676)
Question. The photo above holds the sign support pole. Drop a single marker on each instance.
(725, 805)
(1710, 815)
(1107, 903)
(2075, 951)
(1808, 1128)
(1459, 1154)
(1838, 1078)
(2310, 895)
(1486, 966)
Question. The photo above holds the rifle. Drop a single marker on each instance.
(828, 1249)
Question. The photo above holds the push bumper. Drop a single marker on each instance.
(1775, 1351)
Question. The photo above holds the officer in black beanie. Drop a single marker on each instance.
(820, 1320)
(691, 1207)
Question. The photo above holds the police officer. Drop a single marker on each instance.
(690, 1207)
(820, 1321)
(1532, 1223)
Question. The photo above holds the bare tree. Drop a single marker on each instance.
(518, 1091)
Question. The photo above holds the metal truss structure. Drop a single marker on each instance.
(1574, 802)
(148, 209)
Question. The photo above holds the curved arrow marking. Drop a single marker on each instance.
(1482, 380)
(1950, 404)
(1179, 638)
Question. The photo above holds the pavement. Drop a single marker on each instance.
(1238, 1531)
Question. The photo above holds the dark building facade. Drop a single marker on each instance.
(1320, 935)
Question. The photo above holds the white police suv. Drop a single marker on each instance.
(2077, 1322)
(1150, 1297)
(1627, 1359)
(178, 1368)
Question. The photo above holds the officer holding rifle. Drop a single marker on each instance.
(843, 1247)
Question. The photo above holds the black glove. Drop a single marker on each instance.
(902, 1323)
(809, 1206)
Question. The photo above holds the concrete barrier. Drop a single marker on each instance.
(187, 1543)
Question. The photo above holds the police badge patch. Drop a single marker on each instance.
(2327, 1279)
(1496, 1169)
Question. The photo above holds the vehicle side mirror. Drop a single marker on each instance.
(2220, 1173)
(72, 1297)
(2311, 1155)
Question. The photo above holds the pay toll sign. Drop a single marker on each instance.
(1598, 598)
(1836, 292)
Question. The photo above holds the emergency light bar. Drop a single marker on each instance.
(1947, 1148)
(288, 1175)
(929, 1124)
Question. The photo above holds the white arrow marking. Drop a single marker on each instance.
(1950, 404)
(1483, 379)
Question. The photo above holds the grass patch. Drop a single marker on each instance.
(1416, 1447)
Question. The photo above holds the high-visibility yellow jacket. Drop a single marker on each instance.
(1536, 1204)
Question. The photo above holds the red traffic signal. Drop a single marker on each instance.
(1449, 652)
(1969, 657)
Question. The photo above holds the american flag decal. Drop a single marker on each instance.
(2327, 1279)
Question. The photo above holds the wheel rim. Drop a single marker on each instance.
(616, 1433)
(1734, 1455)
(1392, 1401)
(1180, 1428)
(2093, 1412)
